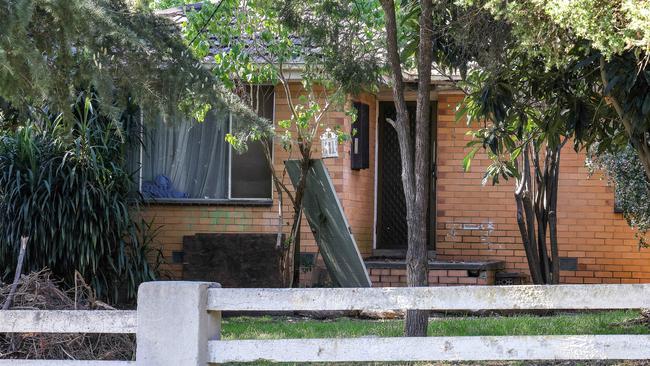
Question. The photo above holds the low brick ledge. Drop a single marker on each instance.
(433, 265)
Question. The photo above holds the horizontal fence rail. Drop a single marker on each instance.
(68, 321)
(366, 349)
(179, 323)
(432, 298)
(497, 348)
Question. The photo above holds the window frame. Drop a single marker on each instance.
(229, 200)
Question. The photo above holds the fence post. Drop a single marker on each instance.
(174, 325)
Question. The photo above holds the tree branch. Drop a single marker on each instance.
(19, 268)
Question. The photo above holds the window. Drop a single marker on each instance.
(188, 160)
(250, 176)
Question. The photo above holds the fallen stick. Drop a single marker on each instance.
(19, 269)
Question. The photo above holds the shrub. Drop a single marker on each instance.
(65, 185)
(632, 190)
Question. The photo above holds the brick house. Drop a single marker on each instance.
(473, 238)
(473, 227)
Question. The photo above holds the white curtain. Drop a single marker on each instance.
(194, 156)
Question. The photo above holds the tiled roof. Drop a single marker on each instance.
(178, 15)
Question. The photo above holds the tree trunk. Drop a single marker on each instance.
(300, 191)
(525, 219)
(552, 216)
(537, 213)
(416, 256)
(540, 213)
(295, 278)
(415, 156)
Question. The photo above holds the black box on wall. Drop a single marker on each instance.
(233, 259)
(360, 147)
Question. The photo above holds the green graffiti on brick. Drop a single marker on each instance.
(246, 221)
(219, 214)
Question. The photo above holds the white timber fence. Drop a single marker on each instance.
(178, 323)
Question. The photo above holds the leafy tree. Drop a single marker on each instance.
(162, 4)
(425, 36)
(58, 165)
(582, 68)
(66, 186)
(610, 39)
(50, 49)
(259, 48)
(415, 155)
(345, 39)
(403, 37)
(527, 113)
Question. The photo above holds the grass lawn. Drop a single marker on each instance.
(606, 322)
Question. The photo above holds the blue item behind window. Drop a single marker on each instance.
(161, 187)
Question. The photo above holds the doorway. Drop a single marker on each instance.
(391, 229)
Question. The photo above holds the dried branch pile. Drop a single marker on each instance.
(38, 291)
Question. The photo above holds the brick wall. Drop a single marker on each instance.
(478, 223)
(354, 189)
(475, 222)
(175, 221)
(358, 193)
(396, 277)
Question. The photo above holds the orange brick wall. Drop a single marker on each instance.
(474, 222)
(175, 221)
(354, 189)
(357, 195)
(478, 222)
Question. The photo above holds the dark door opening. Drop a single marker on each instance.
(392, 235)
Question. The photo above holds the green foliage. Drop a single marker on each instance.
(344, 39)
(522, 102)
(261, 46)
(608, 40)
(65, 185)
(247, 47)
(626, 82)
(602, 322)
(350, 37)
(327, 41)
(553, 28)
(51, 48)
(463, 36)
(573, 84)
(165, 4)
(632, 190)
